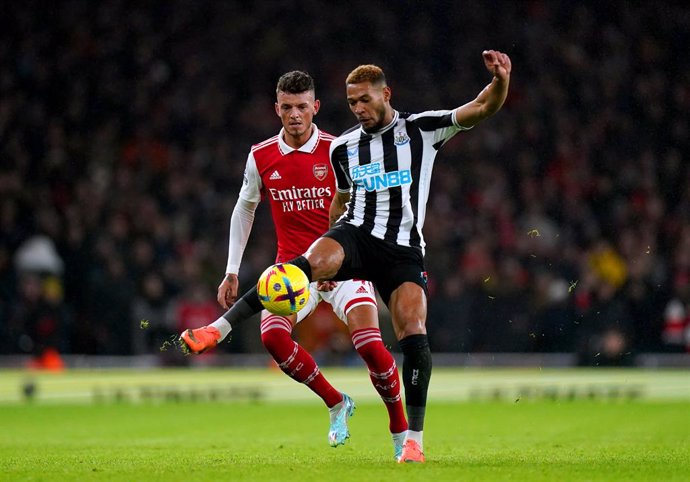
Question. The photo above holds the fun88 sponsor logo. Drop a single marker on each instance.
(372, 178)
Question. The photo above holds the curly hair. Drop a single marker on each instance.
(295, 82)
(367, 73)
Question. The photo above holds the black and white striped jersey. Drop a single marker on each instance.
(388, 173)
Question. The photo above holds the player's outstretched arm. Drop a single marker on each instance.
(491, 98)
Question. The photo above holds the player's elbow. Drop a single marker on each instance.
(486, 110)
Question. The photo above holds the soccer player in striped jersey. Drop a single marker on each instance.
(383, 168)
(292, 171)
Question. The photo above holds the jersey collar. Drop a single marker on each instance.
(308, 147)
(396, 115)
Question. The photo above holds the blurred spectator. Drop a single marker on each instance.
(39, 323)
(38, 255)
(8, 285)
(196, 307)
(109, 309)
(153, 319)
(676, 332)
(450, 315)
(554, 317)
(605, 330)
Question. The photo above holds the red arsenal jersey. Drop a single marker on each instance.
(299, 185)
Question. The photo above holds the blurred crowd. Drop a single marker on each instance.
(560, 225)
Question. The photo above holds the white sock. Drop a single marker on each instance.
(333, 411)
(399, 438)
(222, 325)
(417, 437)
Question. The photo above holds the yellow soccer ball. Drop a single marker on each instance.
(283, 289)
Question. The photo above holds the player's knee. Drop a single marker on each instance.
(323, 266)
(325, 257)
(362, 317)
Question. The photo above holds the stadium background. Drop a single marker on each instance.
(560, 225)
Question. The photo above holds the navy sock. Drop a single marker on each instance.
(244, 308)
(416, 376)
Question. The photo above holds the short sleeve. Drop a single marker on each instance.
(338, 154)
(441, 122)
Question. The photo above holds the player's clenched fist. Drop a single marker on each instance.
(227, 290)
(497, 63)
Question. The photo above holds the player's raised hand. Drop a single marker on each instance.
(227, 290)
(497, 63)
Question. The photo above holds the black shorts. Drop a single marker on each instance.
(386, 264)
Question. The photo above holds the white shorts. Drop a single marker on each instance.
(345, 296)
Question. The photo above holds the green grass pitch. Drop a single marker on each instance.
(141, 426)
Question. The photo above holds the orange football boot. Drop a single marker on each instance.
(200, 339)
(411, 452)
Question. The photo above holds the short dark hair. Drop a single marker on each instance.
(295, 82)
(367, 73)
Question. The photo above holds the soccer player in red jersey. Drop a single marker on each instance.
(293, 171)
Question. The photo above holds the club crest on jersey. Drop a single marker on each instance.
(320, 171)
(401, 139)
(424, 277)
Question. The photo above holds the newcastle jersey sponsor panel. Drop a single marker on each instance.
(388, 173)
